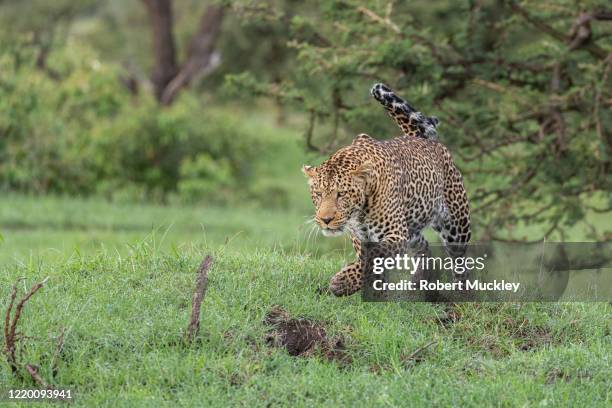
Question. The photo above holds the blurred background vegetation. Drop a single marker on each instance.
(220, 103)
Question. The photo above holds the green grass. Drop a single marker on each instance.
(123, 294)
(49, 228)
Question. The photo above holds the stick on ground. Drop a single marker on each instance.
(198, 295)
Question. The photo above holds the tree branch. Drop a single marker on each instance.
(164, 50)
(573, 42)
(202, 57)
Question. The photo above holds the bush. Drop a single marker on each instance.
(204, 176)
(180, 149)
(84, 133)
(270, 195)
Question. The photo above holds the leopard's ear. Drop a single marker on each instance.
(309, 171)
(363, 172)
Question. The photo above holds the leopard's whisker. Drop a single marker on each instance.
(311, 233)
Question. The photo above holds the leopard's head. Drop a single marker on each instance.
(338, 192)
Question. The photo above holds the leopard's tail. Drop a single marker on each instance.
(411, 121)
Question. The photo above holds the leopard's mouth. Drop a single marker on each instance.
(332, 232)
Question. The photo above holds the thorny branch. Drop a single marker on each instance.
(11, 335)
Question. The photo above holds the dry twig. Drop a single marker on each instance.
(10, 325)
(415, 354)
(198, 295)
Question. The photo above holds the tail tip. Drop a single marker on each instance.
(378, 89)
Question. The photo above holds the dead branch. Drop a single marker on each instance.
(198, 295)
(168, 78)
(203, 58)
(10, 325)
(33, 370)
(9, 341)
(22, 303)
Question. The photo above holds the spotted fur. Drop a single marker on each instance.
(411, 121)
(389, 191)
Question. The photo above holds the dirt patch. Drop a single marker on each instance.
(303, 337)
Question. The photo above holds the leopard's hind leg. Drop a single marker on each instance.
(453, 223)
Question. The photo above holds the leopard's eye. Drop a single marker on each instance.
(341, 194)
(317, 194)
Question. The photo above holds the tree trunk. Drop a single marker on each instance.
(160, 12)
(168, 79)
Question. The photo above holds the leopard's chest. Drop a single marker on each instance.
(370, 228)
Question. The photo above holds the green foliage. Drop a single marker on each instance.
(165, 150)
(521, 87)
(523, 99)
(86, 134)
(202, 176)
(45, 146)
(270, 195)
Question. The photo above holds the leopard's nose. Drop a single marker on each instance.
(327, 220)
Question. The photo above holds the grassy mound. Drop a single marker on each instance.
(124, 316)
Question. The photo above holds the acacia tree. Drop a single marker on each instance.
(522, 89)
(202, 57)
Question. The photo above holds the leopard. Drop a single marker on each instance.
(390, 191)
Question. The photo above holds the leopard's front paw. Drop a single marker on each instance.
(345, 283)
